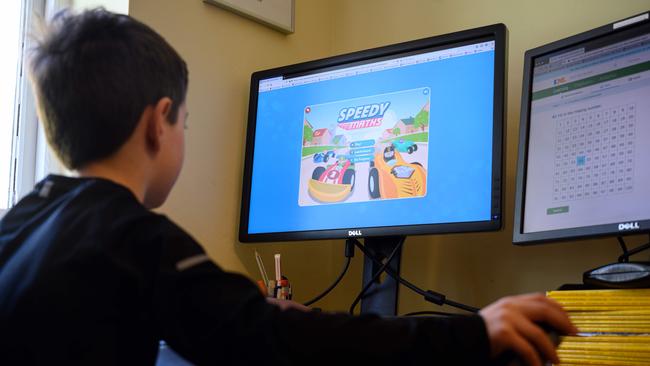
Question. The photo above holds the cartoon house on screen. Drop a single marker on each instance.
(408, 125)
(322, 137)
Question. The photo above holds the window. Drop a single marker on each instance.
(25, 157)
(10, 68)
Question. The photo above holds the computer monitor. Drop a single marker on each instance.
(584, 151)
(399, 140)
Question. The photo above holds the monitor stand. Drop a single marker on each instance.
(622, 274)
(619, 275)
(381, 297)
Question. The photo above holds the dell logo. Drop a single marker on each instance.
(354, 233)
(628, 226)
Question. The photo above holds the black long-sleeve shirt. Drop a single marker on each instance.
(88, 276)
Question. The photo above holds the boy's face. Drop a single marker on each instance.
(170, 160)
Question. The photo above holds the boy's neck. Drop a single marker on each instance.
(131, 179)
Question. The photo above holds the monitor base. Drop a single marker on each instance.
(619, 275)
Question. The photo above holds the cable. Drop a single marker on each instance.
(349, 253)
(626, 256)
(430, 296)
(383, 268)
(418, 313)
(458, 305)
(331, 287)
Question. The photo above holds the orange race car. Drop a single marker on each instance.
(392, 177)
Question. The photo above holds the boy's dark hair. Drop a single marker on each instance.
(94, 74)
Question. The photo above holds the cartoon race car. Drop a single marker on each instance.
(407, 146)
(392, 177)
(323, 157)
(334, 183)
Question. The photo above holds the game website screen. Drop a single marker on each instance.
(400, 141)
(589, 133)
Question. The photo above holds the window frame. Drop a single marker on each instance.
(21, 133)
(31, 157)
(26, 122)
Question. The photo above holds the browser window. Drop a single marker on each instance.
(401, 140)
(589, 133)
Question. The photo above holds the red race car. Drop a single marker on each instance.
(334, 183)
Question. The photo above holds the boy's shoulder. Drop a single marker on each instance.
(92, 221)
(88, 208)
(74, 199)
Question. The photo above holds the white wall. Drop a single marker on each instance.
(117, 6)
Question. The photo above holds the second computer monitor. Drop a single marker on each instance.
(584, 156)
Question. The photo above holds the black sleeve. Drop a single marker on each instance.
(213, 317)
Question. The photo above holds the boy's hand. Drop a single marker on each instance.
(287, 304)
(511, 325)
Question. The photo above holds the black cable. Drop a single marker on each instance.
(404, 282)
(331, 287)
(427, 312)
(430, 296)
(458, 305)
(349, 253)
(383, 268)
(626, 256)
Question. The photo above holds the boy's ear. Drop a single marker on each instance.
(155, 123)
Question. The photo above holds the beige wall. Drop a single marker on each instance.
(222, 50)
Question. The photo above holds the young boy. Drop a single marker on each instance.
(90, 276)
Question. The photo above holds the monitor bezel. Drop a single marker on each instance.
(540, 237)
(496, 32)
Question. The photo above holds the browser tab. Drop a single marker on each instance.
(434, 56)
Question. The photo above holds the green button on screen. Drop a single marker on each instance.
(557, 210)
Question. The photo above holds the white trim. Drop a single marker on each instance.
(191, 262)
(2, 213)
(116, 6)
(25, 123)
(31, 154)
(636, 19)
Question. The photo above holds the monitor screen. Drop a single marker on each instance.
(404, 139)
(587, 122)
